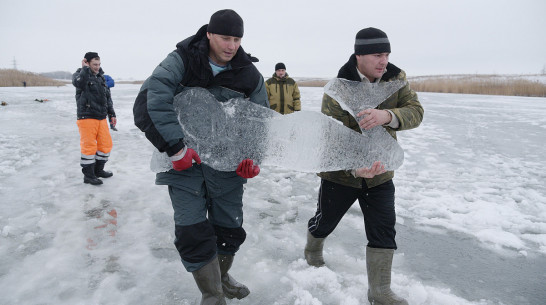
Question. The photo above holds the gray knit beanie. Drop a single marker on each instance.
(371, 41)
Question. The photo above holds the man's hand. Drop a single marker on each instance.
(183, 159)
(373, 117)
(376, 169)
(247, 169)
(114, 121)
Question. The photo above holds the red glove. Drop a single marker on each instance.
(247, 169)
(184, 160)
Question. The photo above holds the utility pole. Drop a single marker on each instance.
(14, 64)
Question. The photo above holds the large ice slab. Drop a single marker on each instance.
(225, 133)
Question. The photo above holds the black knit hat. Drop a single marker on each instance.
(371, 41)
(280, 66)
(226, 22)
(90, 55)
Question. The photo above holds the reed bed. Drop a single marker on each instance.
(15, 78)
(466, 84)
(488, 85)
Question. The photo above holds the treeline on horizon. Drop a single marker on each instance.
(463, 84)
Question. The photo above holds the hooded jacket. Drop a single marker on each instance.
(93, 98)
(283, 94)
(404, 104)
(188, 66)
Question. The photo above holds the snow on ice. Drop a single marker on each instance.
(472, 191)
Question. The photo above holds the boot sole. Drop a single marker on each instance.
(231, 292)
(92, 182)
(314, 258)
(237, 296)
(104, 176)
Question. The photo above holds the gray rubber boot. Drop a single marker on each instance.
(232, 288)
(378, 265)
(313, 250)
(208, 281)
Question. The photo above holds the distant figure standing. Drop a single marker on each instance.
(24, 84)
(110, 83)
(282, 91)
(94, 103)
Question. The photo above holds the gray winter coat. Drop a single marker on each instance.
(165, 83)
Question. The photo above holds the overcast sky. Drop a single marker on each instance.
(313, 38)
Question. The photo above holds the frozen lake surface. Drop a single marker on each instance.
(471, 206)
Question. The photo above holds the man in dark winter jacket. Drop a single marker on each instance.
(207, 203)
(283, 91)
(94, 103)
(373, 187)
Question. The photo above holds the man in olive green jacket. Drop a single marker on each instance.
(373, 187)
(282, 91)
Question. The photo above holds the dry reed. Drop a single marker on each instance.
(481, 85)
(312, 83)
(471, 84)
(465, 84)
(15, 78)
(131, 82)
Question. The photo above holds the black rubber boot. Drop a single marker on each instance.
(89, 175)
(99, 170)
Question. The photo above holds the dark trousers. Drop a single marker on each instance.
(206, 226)
(377, 205)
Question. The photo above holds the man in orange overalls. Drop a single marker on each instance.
(94, 103)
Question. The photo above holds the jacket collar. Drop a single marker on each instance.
(198, 44)
(278, 78)
(349, 71)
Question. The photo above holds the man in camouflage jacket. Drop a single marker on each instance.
(373, 187)
(282, 91)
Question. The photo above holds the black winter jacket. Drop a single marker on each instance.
(93, 97)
